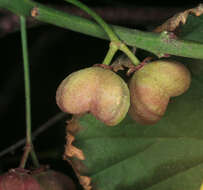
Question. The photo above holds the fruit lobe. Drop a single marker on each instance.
(201, 187)
(96, 90)
(152, 86)
(52, 180)
(18, 179)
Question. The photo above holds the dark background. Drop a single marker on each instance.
(54, 53)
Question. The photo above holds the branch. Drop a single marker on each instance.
(158, 44)
(132, 16)
(40, 129)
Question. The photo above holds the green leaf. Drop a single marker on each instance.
(149, 41)
(168, 155)
(193, 29)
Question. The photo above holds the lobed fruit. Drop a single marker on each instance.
(96, 90)
(53, 180)
(201, 187)
(21, 179)
(18, 179)
(152, 86)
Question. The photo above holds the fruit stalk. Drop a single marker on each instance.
(29, 146)
(111, 52)
(113, 37)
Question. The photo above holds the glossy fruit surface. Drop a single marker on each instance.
(97, 90)
(152, 86)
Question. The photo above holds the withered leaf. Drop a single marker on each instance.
(180, 18)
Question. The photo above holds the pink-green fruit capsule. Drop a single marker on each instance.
(152, 86)
(96, 90)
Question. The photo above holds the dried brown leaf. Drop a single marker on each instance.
(72, 151)
(180, 18)
(74, 155)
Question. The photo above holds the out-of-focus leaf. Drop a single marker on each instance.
(168, 155)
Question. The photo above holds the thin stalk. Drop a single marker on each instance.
(51, 121)
(100, 21)
(29, 147)
(114, 39)
(111, 52)
(26, 153)
(130, 54)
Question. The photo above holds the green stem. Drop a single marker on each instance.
(29, 146)
(111, 52)
(100, 21)
(114, 39)
(148, 41)
(130, 54)
(34, 157)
